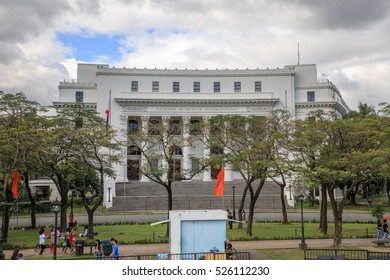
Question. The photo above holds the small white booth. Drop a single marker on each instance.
(194, 231)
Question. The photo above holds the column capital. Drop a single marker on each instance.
(144, 118)
(186, 119)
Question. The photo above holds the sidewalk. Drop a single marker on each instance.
(254, 247)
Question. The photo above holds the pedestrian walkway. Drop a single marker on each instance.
(254, 247)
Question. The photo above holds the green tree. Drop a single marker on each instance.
(248, 144)
(308, 139)
(95, 151)
(161, 143)
(351, 149)
(18, 117)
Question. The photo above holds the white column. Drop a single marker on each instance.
(206, 153)
(186, 147)
(164, 163)
(143, 165)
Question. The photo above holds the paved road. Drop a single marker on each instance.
(113, 217)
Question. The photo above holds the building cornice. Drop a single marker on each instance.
(76, 85)
(194, 72)
(62, 104)
(321, 104)
(126, 101)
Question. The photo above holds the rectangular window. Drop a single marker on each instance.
(132, 125)
(155, 86)
(195, 165)
(195, 127)
(217, 87)
(196, 86)
(311, 96)
(257, 86)
(237, 86)
(176, 86)
(134, 86)
(175, 127)
(79, 96)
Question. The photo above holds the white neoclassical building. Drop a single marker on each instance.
(136, 96)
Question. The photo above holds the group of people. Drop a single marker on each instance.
(69, 237)
(382, 230)
(114, 253)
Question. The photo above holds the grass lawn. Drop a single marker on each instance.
(145, 233)
(284, 254)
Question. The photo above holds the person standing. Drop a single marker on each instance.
(42, 241)
(379, 229)
(66, 243)
(98, 250)
(72, 240)
(115, 249)
(243, 216)
(52, 236)
(385, 231)
(230, 223)
(71, 220)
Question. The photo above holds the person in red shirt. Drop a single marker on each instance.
(71, 220)
(72, 240)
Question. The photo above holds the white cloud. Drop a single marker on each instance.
(352, 50)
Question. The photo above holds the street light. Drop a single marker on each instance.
(2, 238)
(234, 202)
(302, 245)
(56, 206)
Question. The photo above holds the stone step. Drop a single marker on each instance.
(190, 195)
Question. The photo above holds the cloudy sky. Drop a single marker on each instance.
(43, 40)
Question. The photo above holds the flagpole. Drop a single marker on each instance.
(109, 108)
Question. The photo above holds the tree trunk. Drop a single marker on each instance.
(90, 223)
(63, 189)
(284, 210)
(324, 211)
(253, 196)
(170, 205)
(5, 222)
(32, 200)
(338, 217)
(338, 231)
(250, 216)
(242, 204)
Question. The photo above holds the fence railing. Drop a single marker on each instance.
(343, 254)
(187, 256)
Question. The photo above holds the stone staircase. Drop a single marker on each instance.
(134, 195)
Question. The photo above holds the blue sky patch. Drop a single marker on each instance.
(92, 48)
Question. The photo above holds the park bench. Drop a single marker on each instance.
(381, 242)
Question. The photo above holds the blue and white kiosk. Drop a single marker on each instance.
(194, 231)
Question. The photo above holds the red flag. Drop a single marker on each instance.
(15, 182)
(220, 185)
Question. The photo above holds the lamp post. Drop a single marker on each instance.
(234, 202)
(2, 237)
(56, 206)
(302, 245)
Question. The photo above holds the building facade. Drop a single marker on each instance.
(135, 97)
